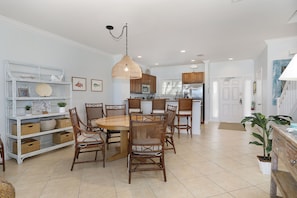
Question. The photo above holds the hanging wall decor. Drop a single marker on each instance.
(277, 85)
(79, 84)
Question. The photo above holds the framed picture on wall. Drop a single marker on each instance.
(96, 85)
(79, 84)
(23, 92)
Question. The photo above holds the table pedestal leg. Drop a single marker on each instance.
(123, 147)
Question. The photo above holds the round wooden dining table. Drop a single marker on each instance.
(120, 123)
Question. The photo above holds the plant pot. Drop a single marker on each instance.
(265, 166)
(61, 109)
(28, 112)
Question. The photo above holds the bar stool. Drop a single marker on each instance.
(184, 110)
(158, 105)
(134, 105)
(2, 154)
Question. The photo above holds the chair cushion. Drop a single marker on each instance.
(147, 146)
(134, 110)
(93, 123)
(184, 113)
(158, 111)
(89, 138)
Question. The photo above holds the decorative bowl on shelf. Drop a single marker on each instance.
(43, 90)
(46, 125)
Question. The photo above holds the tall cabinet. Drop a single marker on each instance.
(44, 128)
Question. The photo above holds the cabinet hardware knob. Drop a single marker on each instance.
(293, 162)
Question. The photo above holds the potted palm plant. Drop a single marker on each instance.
(28, 110)
(262, 129)
(62, 106)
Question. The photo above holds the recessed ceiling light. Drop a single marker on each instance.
(156, 63)
(230, 59)
(182, 51)
(193, 60)
(139, 56)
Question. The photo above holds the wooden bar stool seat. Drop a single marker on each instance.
(158, 105)
(134, 105)
(184, 111)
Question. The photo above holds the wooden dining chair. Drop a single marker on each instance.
(146, 143)
(94, 111)
(134, 105)
(158, 105)
(86, 140)
(113, 136)
(169, 140)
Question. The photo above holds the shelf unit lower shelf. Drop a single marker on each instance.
(21, 157)
(286, 183)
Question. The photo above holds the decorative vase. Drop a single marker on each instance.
(28, 112)
(61, 109)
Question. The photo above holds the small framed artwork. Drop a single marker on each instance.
(96, 85)
(23, 92)
(79, 84)
(254, 87)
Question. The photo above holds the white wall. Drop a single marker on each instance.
(261, 79)
(26, 44)
(172, 72)
(243, 69)
(277, 49)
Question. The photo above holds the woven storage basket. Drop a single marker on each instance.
(46, 125)
(6, 189)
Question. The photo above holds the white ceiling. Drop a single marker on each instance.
(159, 29)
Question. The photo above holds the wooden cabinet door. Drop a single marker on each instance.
(135, 86)
(153, 84)
(193, 77)
(186, 78)
(145, 79)
(197, 77)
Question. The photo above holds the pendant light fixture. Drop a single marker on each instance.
(126, 68)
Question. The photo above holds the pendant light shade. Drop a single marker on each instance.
(126, 68)
(290, 73)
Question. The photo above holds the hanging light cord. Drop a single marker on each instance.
(121, 35)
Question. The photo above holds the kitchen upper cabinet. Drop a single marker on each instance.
(193, 77)
(153, 84)
(136, 84)
(146, 79)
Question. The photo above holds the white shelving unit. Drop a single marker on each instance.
(20, 90)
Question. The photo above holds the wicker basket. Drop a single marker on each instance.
(6, 189)
(46, 125)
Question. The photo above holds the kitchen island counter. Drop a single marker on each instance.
(146, 106)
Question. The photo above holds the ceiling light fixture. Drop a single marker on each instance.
(182, 51)
(126, 68)
(290, 73)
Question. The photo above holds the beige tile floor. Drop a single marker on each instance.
(217, 163)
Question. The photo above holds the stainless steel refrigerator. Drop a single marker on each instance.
(196, 92)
